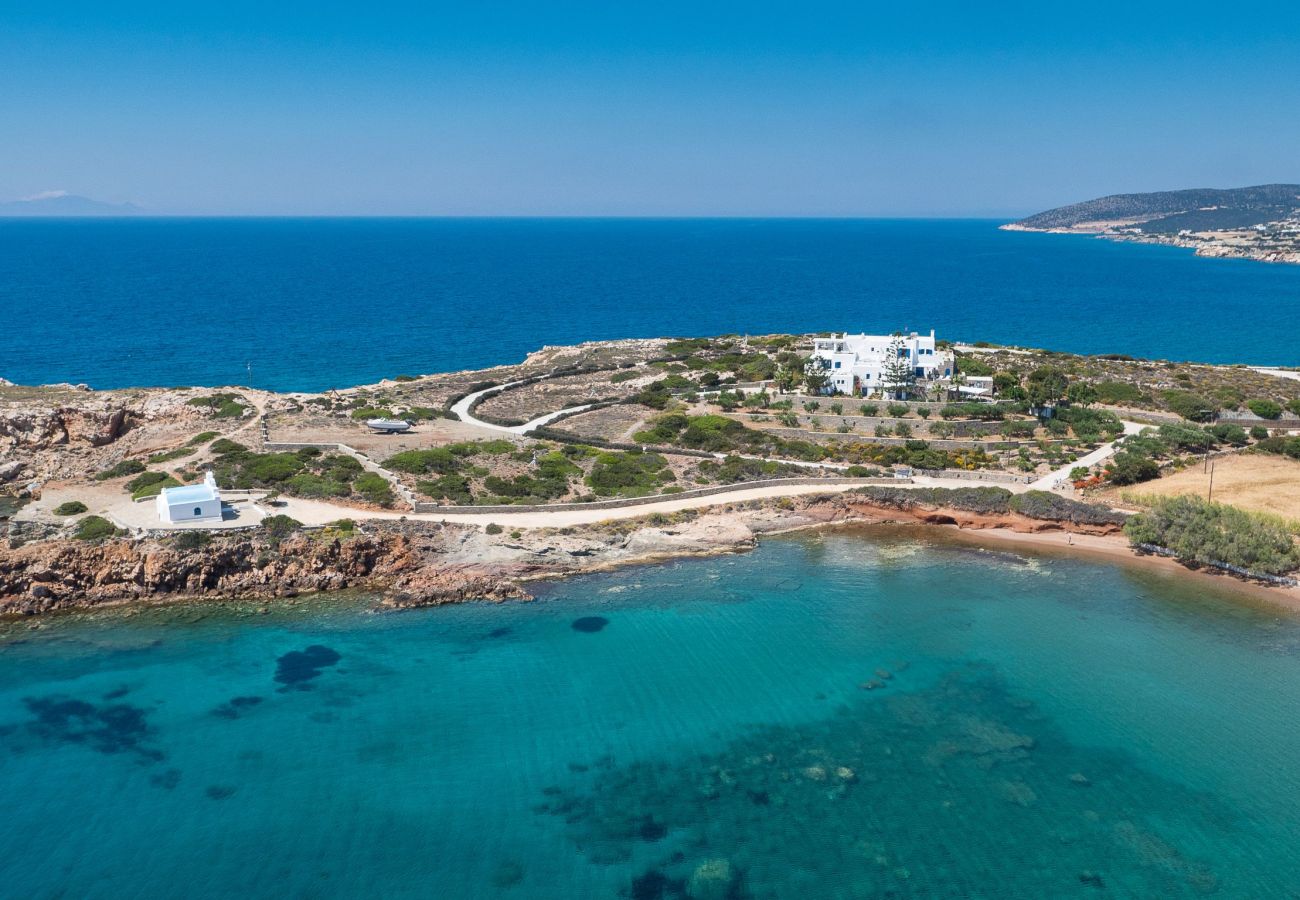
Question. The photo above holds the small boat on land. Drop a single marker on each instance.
(388, 426)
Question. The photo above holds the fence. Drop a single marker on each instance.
(655, 498)
(1281, 580)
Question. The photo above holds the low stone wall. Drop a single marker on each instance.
(936, 443)
(979, 475)
(426, 507)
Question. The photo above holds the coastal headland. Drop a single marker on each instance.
(619, 452)
(1259, 223)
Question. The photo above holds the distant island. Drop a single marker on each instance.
(1260, 223)
(61, 203)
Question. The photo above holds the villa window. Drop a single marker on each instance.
(198, 511)
(837, 365)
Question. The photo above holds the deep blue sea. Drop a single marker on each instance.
(868, 713)
(314, 304)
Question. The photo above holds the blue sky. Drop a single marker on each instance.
(666, 108)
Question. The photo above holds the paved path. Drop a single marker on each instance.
(316, 512)
(1277, 373)
(1105, 451)
(462, 408)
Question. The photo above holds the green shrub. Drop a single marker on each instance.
(1258, 432)
(372, 412)
(1131, 468)
(374, 488)
(1190, 406)
(973, 365)
(898, 410)
(311, 485)
(1265, 409)
(869, 409)
(405, 378)
(1294, 405)
(455, 488)
(418, 462)
(1055, 508)
(625, 375)
(1118, 392)
(202, 438)
(94, 528)
(169, 455)
(191, 540)
(146, 479)
(1203, 532)
(121, 469)
(222, 406)
(70, 508)
(279, 526)
(226, 446)
(154, 488)
(1280, 444)
(1232, 434)
(493, 528)
(266, 469)
(630, 474)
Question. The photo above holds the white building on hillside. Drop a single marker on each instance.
(858, 364)
(191, 502)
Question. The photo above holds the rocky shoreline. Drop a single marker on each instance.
(413, 564)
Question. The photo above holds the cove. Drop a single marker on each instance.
(862, 712)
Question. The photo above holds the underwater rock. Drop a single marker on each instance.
(232, 708)
(110, 728)
(713, 879)
(1092, 879)
(1017, 792)
(655, 885)
(650, 830)
(844, 773)
(297, 667)
(508, 874)
(589, 624)
(220, 791)
(167, 780)
(1080, 779)
(815, 773)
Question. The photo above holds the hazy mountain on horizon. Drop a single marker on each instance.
(61, 203)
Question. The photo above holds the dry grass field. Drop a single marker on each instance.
(1252, 481)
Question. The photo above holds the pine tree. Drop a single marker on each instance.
(897, 373)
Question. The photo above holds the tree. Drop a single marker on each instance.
(815, 378)
(897, 374)
(786, 379)
(1081, 394)
(1131, 468)
(1045, 386)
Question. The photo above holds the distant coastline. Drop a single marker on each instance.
(1259, 223)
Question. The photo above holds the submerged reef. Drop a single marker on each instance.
(946, 789)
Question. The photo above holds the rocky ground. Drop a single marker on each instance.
(419, 564)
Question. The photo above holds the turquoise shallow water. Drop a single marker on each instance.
(1035, 727)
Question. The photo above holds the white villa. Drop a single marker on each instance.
(191, 502)
(856, 363)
